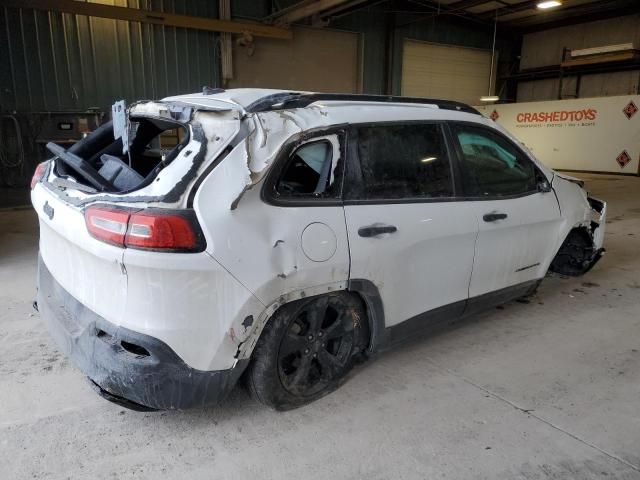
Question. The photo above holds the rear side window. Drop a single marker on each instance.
(311, 170)
(401, 161)
(493, 166)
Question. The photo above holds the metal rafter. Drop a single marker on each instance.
(303, 10)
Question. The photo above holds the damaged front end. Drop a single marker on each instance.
(583, 246)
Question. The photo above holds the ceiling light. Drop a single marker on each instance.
(428, 159)
(549, 4)
(489, 98)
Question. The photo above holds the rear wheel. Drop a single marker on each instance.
(306, 350)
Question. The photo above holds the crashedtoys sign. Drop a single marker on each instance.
(586, 134)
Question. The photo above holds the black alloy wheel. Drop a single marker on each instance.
(306, 349)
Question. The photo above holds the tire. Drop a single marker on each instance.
(306, 349)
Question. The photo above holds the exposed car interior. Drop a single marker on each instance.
(98, 160)
(308, 171)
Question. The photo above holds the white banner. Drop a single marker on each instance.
(588, 134)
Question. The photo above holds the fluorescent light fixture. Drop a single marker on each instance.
(549, 4)
(428, 159)
(489, 98)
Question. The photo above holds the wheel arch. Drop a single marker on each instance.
(574, 258)
(370, 295)
(364, 289)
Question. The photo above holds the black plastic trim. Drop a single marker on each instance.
(375, 309)
(203, 176)
(598, 172)
(383, 337)
(498, 297)
(595, 204)
(286, 100)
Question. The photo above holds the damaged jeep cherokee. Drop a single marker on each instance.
(281, 236)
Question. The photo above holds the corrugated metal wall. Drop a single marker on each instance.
(54, 61)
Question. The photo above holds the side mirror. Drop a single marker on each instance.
(544, 186)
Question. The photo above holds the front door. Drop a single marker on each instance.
(406, 233)
(517, 213)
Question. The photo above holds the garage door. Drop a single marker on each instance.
(317, 60)
(442, 71)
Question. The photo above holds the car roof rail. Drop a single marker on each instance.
(286, 100)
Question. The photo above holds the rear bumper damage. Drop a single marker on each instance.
(134, 370)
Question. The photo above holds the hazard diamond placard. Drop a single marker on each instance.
(630, 110)
(623, 159)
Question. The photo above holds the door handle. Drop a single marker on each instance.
(373, 230)
(492, 217)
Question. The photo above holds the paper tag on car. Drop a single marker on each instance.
(120, 123)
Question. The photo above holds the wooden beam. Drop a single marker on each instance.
(146, 16)
(304, 10)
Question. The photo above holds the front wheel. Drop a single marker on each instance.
(306, 350)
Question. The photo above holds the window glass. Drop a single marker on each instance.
(491, 165)
(309, 171)
(403, 161)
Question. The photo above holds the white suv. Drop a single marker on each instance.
(285, 235)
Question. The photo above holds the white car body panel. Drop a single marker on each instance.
(259, 256)
(189, 303)
(518, 248)
(575, 209)
(262, 244)
(89, 269)
(171, 296)
(426, 264)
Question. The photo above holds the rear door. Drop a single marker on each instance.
(517, 213)
(407, 234)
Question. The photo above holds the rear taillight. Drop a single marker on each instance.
(107, 224)
(161, 231)
(149, 229)
(38, 174)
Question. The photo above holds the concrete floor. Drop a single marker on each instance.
(546, 389)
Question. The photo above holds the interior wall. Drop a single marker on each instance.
(545, 48)
(321, 60)
(383, 30)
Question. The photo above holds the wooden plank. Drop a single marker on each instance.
(146, 16)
